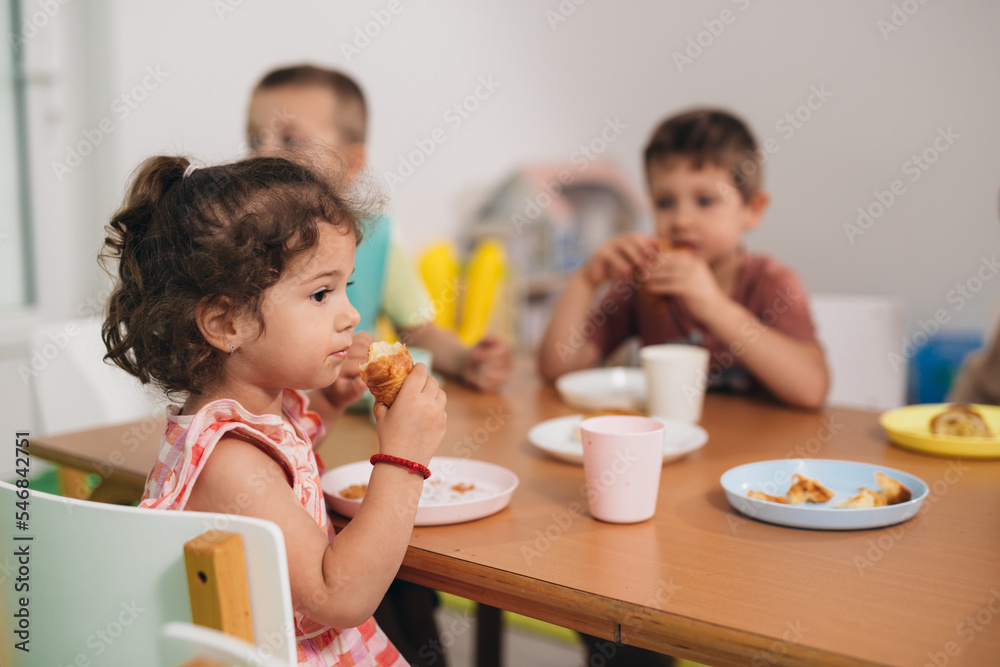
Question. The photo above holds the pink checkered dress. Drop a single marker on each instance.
(187, 444)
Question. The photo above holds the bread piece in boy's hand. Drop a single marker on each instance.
(960, 420)
(387, 367)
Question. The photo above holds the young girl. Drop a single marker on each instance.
(231, 293)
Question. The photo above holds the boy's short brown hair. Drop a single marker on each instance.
(709, 136)
(353, 123)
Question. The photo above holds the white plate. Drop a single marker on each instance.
(560, 438)
(439, 504)
(841, 477)
(601, 388)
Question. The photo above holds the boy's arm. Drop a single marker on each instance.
(794, 371)
(563, 347)
(485, 366)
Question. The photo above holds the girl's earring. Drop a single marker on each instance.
(232, 348)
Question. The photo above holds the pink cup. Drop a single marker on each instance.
(622, 460)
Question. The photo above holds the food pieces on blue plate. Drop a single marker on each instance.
(804, 489)
(893, 491)
(354, 491)
(961, 420)
(760, 495)
(863, 499)
(387, 367)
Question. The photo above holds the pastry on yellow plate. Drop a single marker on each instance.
(961, 420)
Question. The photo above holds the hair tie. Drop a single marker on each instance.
(190, 170)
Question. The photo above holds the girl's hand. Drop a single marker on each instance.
(349, 387)
(683, 274)
(488, 365)
(620, 257)
(415, 424)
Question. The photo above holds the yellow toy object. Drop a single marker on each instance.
(439, 270)
(483, 275)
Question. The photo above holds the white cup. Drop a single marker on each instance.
(676, 376)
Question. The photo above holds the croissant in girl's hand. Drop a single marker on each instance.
(387, 367)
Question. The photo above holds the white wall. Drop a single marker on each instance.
(891, 94)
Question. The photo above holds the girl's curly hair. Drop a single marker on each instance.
(220, 234)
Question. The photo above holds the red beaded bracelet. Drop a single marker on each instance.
(395, 460)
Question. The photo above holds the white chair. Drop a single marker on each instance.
(74, 389)
(106, 581)
(861, 334)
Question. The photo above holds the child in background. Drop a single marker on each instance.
(231, 292)
(696, 283)
(978, 381)
(319, 117)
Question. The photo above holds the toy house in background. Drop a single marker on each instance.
(550, 218)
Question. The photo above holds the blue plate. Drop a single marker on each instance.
(842, 477)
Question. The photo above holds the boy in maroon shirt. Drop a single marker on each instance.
(694, 282)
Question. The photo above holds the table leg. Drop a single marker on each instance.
(73, 483)
(115, 493)
(489, 636)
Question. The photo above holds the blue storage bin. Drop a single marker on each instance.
(934, 365)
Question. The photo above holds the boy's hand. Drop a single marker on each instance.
(349, 387)
(415, 424)
(683, 274)
(488, 365)
(620, 257)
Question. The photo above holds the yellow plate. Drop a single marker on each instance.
(909, 427)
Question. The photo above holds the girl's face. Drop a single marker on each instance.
(308, 320)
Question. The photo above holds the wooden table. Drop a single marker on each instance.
(699, 580)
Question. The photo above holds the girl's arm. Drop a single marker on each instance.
(338, 583)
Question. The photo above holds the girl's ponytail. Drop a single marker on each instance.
(127, 243)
